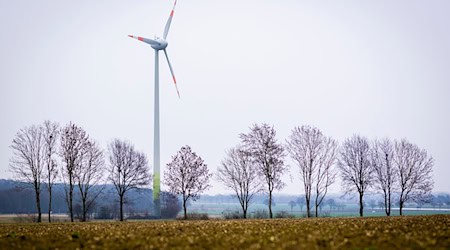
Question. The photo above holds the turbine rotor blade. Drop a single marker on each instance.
(173, 74)
(145, 40)
(169, 21)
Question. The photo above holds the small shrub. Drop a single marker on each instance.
(261, 214)
(170, 206)
(195, 216)
(325, 215)
(231, 215)
(25, 218)
(104, 213)
(284, 214)
(145, 216)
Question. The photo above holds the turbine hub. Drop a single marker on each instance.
(162, 44)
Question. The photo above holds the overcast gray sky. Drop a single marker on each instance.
(376, 68)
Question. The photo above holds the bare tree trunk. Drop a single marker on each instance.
(38, 202)
(401, 207)
(361, 205)
(308, 206)
(121, 207)
(386, 205)
(71, 198)
(50, 204)
(317, 208)
(184, 208)
(244, 210)
(84, 209)
(388, 213)
(270, 205)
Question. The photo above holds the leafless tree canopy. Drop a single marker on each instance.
(128, 169)
(414, 168)
(73, 143)
(385, 173)
(187, 175)
(50, 134)
(268, 155)
(315, 156)
(355, 167)
(238, 172)
(89, 174)
(28, 161)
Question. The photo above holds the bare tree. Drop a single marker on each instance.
(128, 169)
(50, 134)
(355, 168)
(315, 155)
(301, 202)
(28, 160)
(89, 175)
(187, 175)
(385, 173)
(414, 168)
(268, 155)
(73, 143)
(238, 173)
(292, 204)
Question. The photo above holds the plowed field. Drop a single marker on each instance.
(409, 232)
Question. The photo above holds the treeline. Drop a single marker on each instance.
(386, 166)
(48, 153)
(45, 153)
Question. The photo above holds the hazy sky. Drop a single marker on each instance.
(376, 68)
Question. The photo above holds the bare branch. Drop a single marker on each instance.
(28, 161)
(385, 174)
(239, 173)
(89, 174)
(73, 143)
(50, 135)
(315, 156)
(355, 168)
(267, 155)
(414, 168)
(128, 169)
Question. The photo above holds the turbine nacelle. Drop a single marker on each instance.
(162, 44)
(157, 43)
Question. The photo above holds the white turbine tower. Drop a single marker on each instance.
(158, 44)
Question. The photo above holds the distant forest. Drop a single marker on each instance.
(18, 198)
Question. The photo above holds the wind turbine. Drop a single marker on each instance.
(158, 44)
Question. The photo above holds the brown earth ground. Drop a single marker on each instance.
(408, 232)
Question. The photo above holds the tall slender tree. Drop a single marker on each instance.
(187, 175)
(355, 168)
(385, 174)
(315, 155)
(73, 142)
(28, 161)
(88, 176)
(268, 155)
(414, 167)
(128, 169)
(50, 133)
(238, 173)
